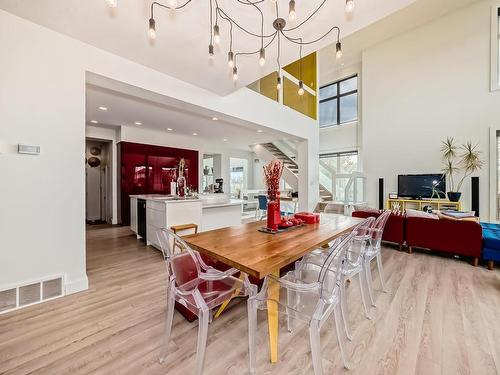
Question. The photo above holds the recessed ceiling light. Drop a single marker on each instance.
(195, 133)
(94, 121)
(215, 119)
(260, 131)
(138, 123)
(102, 108)
(170, 129)
(225, 140)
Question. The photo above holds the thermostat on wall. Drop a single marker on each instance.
(27, 149)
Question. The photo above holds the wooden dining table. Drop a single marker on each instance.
(260, 254)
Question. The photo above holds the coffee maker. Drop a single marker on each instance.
(219, 182)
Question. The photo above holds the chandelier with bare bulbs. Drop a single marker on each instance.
(266, 40)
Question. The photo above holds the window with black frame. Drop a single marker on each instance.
(338, 102)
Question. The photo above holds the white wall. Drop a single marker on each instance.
(423, 86)
(339, 138)
(42, 101)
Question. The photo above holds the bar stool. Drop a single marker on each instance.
(179, 228)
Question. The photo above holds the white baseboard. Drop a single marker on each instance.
(76, 286)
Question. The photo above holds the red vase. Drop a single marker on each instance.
(273, 211)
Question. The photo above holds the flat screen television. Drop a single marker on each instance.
(417, 186)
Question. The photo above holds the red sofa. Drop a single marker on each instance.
(394, 230)
(450, 236)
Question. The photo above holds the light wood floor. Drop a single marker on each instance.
(441, 316)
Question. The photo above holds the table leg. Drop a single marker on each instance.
(235, 293)
(272, 316)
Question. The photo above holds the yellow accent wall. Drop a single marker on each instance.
(305, 104)
(309, 70)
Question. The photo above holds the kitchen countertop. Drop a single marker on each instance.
(169, 199)
(163, 198)
(232, 202)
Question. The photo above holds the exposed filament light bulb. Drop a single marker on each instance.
(278, 83)
(349, 6)
(210, 50)
(291, 10)
(301, 88)
(152, 28)
(235, 73)
(230, 59)
(216, 34)
(262, 57)
(338, 50)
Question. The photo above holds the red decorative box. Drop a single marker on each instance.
(307, 217)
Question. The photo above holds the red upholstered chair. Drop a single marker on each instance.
(450, 236)
(394, 230)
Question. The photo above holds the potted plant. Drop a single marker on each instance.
(464, 159)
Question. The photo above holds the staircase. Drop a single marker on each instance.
(291, 166)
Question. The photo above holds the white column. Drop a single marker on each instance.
(308, 161)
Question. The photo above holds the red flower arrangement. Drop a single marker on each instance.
(272, 177)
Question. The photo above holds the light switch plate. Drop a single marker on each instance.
(28, 149)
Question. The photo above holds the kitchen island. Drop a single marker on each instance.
(148, 213)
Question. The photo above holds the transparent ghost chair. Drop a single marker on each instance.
(309, 295)
(318, 256)
(198, 287)
(353, 266)
(374, 252)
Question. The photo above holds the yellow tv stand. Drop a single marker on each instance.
(418, 204)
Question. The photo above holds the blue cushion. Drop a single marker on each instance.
(490, 226)
(491, 254)
(491, 238)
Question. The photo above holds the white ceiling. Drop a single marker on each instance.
(126, 110)
(181, 47)
(408, 18)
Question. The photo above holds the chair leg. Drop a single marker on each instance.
(289, 297)
(381, 272)
(475, 261)
(252, 329)
(369, 281)
(410, 249)
(363, 288)
(340, 339)
(491, 264)
(201, 346)
(168, 325)
(315, 347)
(343, 309)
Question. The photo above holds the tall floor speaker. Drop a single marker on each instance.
(381, 193)
(475, 195)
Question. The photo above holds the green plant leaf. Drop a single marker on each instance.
(449, 149)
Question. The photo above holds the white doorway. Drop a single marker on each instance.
(98, 187)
